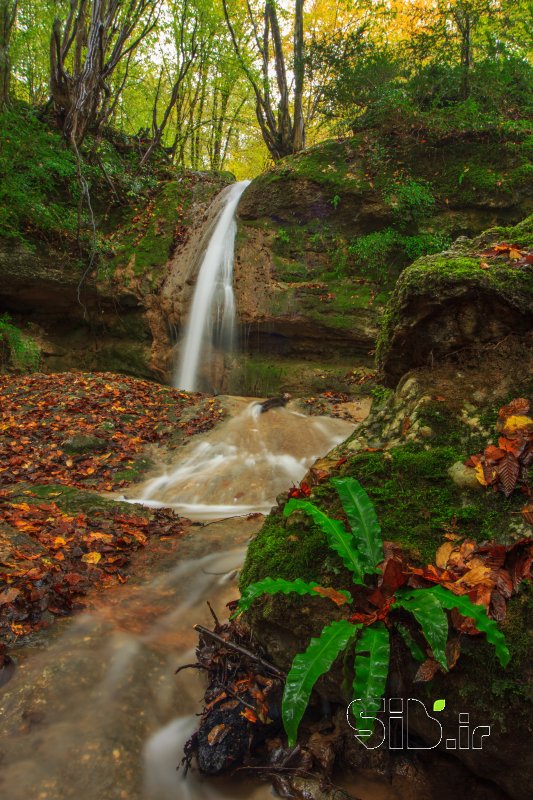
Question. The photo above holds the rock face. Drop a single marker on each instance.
(303, 279)
(416, 501)
(457, 299)
(119, 317)
(321, 240)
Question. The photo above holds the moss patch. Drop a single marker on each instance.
(444, 277)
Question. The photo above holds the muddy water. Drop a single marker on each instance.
(99, 713)
(76, 718)
(244, 463)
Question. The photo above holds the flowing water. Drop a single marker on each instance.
(244, 463)
(97, 712)
(212, 314)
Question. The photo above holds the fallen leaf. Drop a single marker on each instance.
(443, 554)
(91, 558)
(337, 597)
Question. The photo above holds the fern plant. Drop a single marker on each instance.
(366, 636)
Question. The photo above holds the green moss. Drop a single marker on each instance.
(71, 500)
(145, 241)
(135, 469)
(329, 164)
(416, 502)
(281, 552)
(441, 275)
(18, 351)
(480, 684)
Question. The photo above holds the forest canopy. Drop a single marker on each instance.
(236, 84)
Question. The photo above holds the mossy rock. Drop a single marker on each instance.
(418, 504)
(82, 443)
(457, 299)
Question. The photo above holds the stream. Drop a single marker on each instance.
(99, 713)
(96, 712)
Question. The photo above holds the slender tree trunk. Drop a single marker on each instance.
(8, 15)
(298, 134)
(466, 59)
(281, 136)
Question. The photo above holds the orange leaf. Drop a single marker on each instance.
(249, 715)
(443, 554)
(337, 597)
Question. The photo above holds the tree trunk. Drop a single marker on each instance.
(280, 135)
(8, 14)
(466, 60)
(81, 93)
(298, 134)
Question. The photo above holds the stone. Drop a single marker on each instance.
(444, 303)
(464, 477)
(82, 443)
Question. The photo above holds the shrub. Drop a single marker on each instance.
(16, 348)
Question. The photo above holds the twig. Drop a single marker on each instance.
(242, 650)
(215, 618)
(190, 666)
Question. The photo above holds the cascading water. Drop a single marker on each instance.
(100, 715)
(212, 316)
(243, 464)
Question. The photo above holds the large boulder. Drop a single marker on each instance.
(402, 455)
(446, 303)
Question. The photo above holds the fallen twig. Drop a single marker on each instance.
(242, 650)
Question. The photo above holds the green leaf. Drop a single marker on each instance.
(307, 668)
(338, 538)
(363, 521)
(428, 612)
(278, 586)
(372, 654)
(478, 613)
(414, 648)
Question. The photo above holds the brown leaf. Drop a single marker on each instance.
(427, 671)
(453, 651)
(498, 606)
(326, 591)
(508, 469)
(394, 575)
(493, 453)
(8, 595)
(527, 512)
(217, 734)
(443, 554)
(519, 406)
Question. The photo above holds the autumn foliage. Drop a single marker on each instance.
(62, 555)
(40, 414)
(506, 466)
(49, 558)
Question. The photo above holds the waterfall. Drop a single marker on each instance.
(211, 319)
